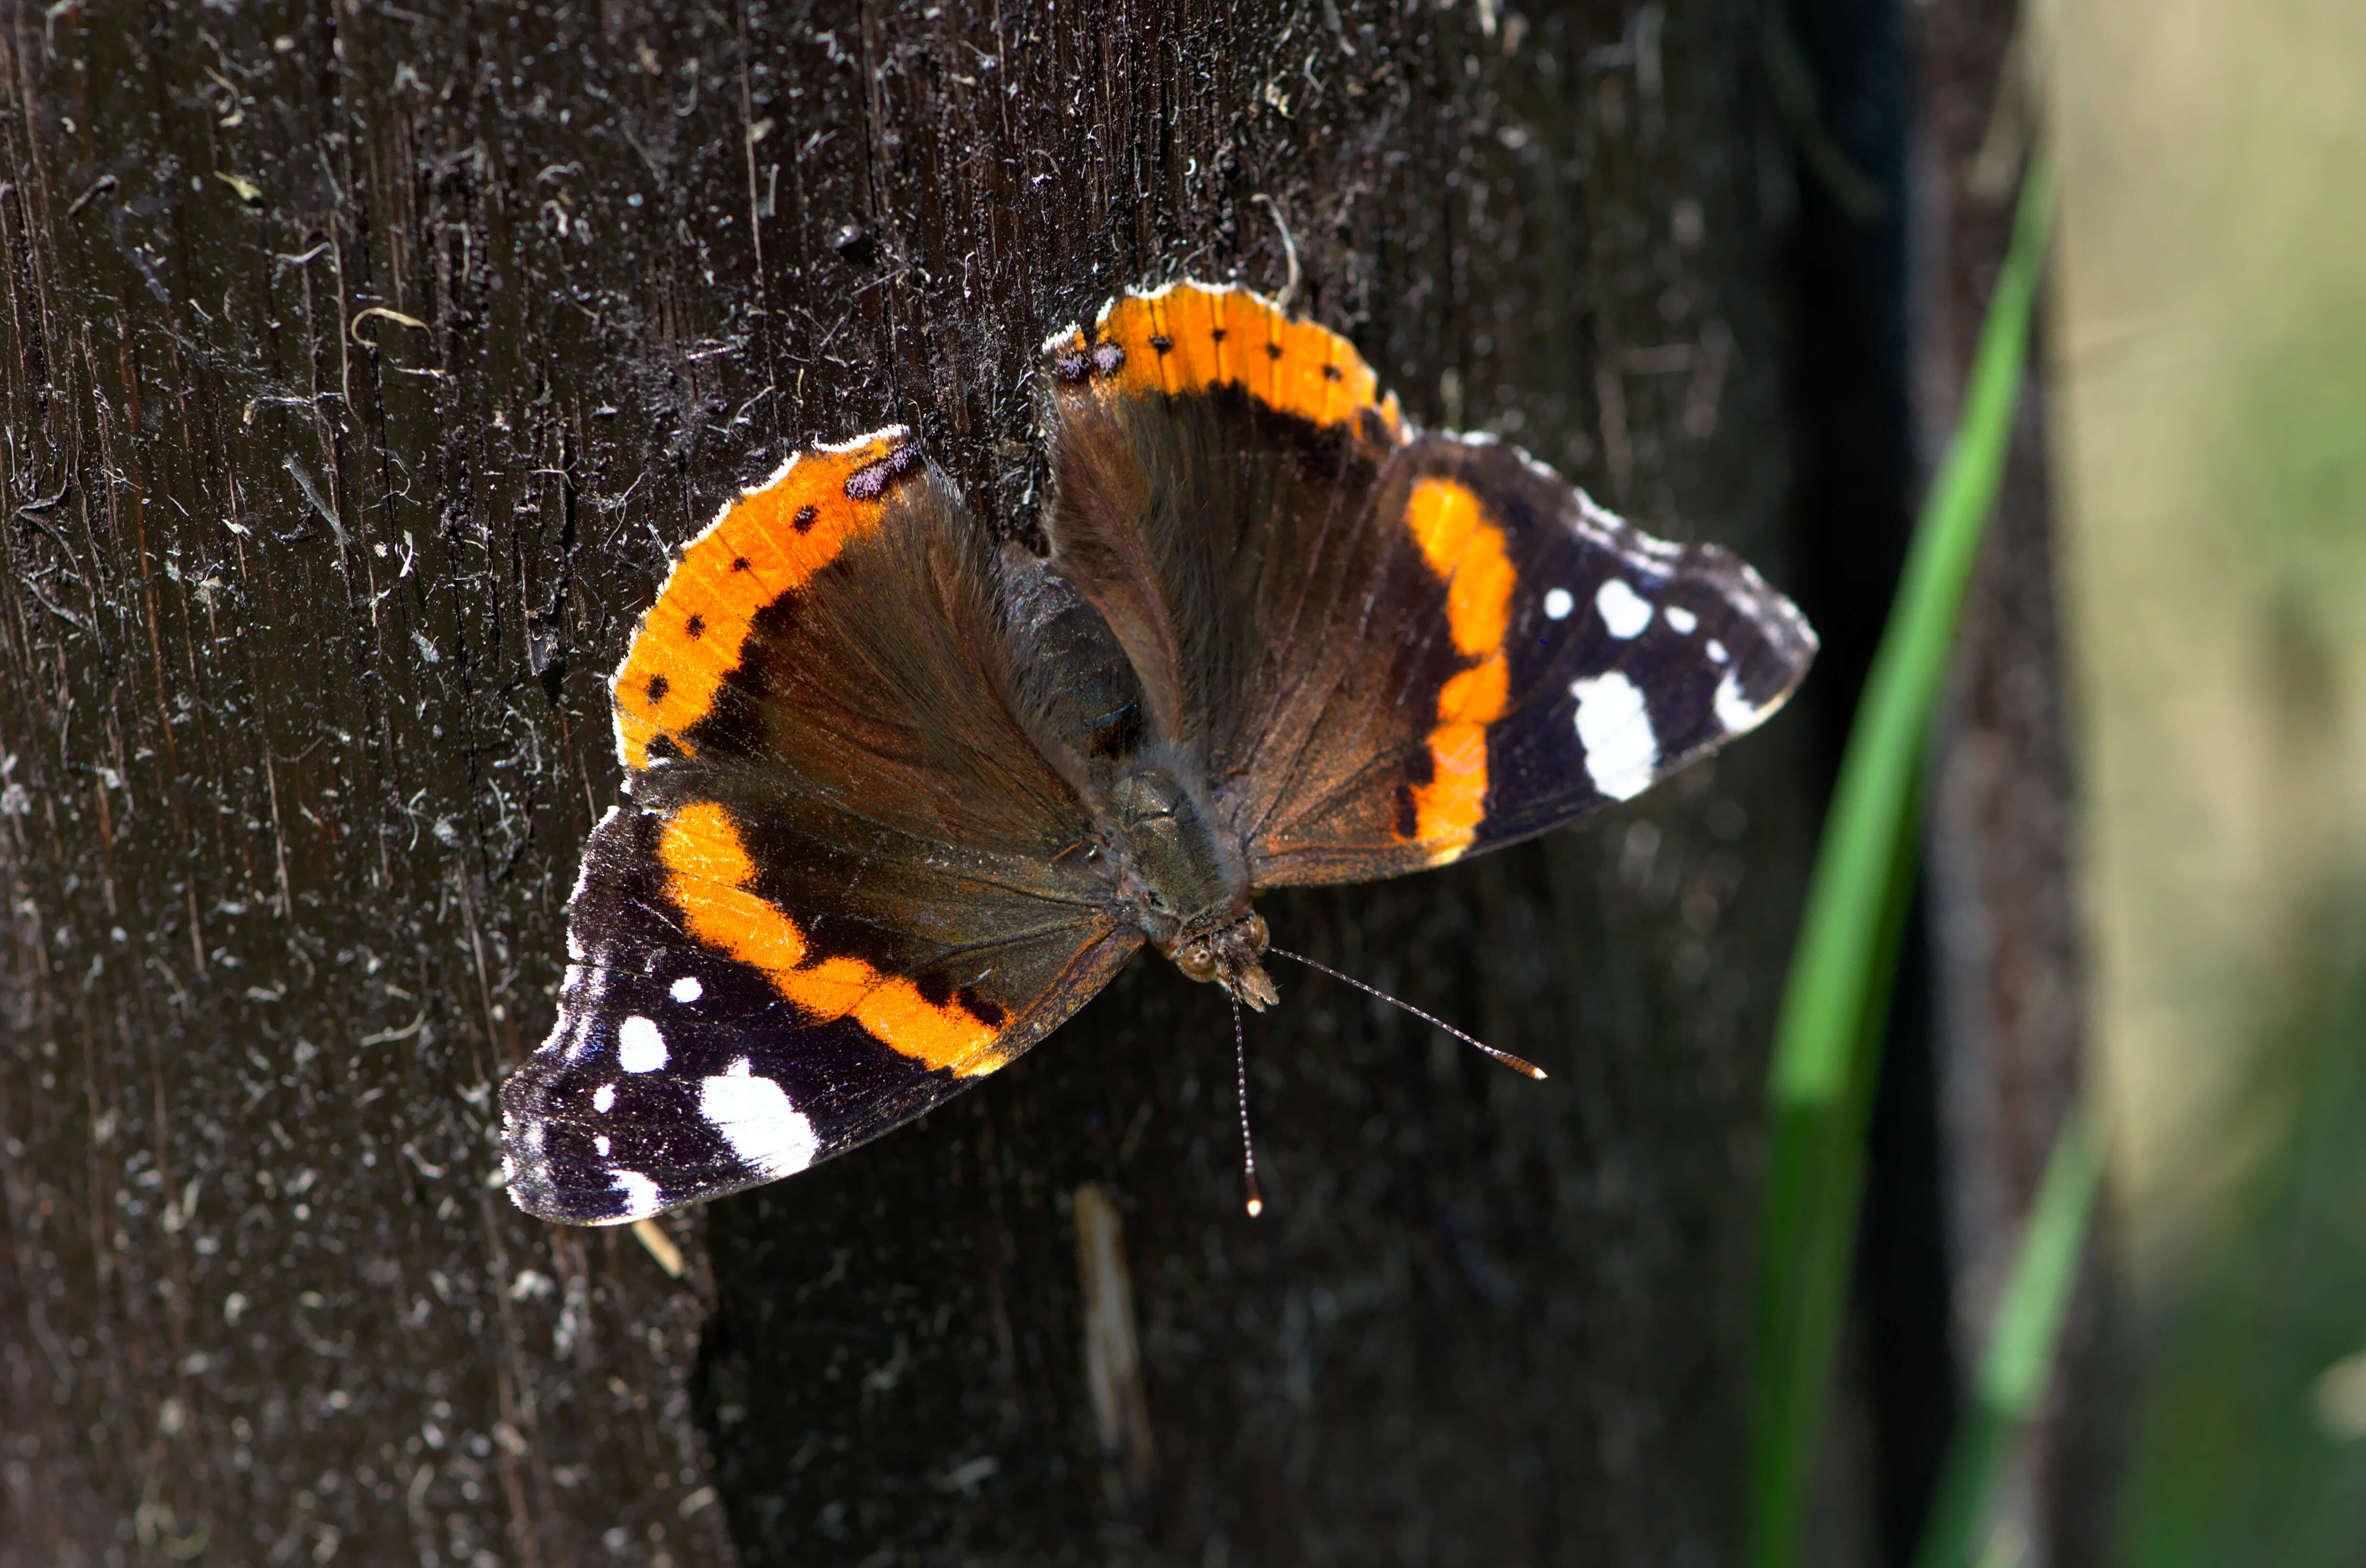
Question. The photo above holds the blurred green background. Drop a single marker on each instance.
(2206, 353)
(2202, 354)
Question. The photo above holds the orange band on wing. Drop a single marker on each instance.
(708, 870)
(767, 543)
(1466, 550)
(1189, 336)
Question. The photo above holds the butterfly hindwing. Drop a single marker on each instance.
(775, 946)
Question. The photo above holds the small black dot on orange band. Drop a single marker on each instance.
(657, 688)
(1217, 335)
(1161, 342)
(740, 563)
(1331, 373)
(805, 518)
(694, 627)
(1273, 351)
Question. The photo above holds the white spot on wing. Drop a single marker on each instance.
(1623, 611)
(600, 1142)
(1734, 710)
(1717, 654)
(603, 1098)
(640, 1196)
(687, 989)
(640, 1045)
(1684, 620)
(1614, 725)
(1558, 603)
(754, 1116)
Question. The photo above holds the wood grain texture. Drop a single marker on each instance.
(360, 364)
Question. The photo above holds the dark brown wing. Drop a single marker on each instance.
(1545, 659)
(1376, 636)
(837, 892)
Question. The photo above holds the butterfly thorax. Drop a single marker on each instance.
(1186, 885)
(1178, 872)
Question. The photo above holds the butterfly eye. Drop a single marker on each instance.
(1196, 961)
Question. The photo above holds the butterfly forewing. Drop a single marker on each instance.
(1399, 648)
(1546, 659)
(838, 893)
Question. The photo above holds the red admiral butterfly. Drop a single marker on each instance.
(898, 801)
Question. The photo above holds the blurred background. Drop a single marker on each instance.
(2206, 357)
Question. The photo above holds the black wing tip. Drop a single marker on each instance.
(1771, 611)
(624, 1196)
(534, 1188)
(1786, 643)
(550, 1183)
(1790, 638)
(553, 1172)
(575, 1206)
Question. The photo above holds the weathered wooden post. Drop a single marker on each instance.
(363, 364)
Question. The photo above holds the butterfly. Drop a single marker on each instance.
(900, 798)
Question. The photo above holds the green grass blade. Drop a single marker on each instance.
(1829, 1031)
(2012, 1374)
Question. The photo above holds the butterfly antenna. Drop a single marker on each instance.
(1241, 1074)
(1503, 1057)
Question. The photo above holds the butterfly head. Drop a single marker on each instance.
(1228, 950)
